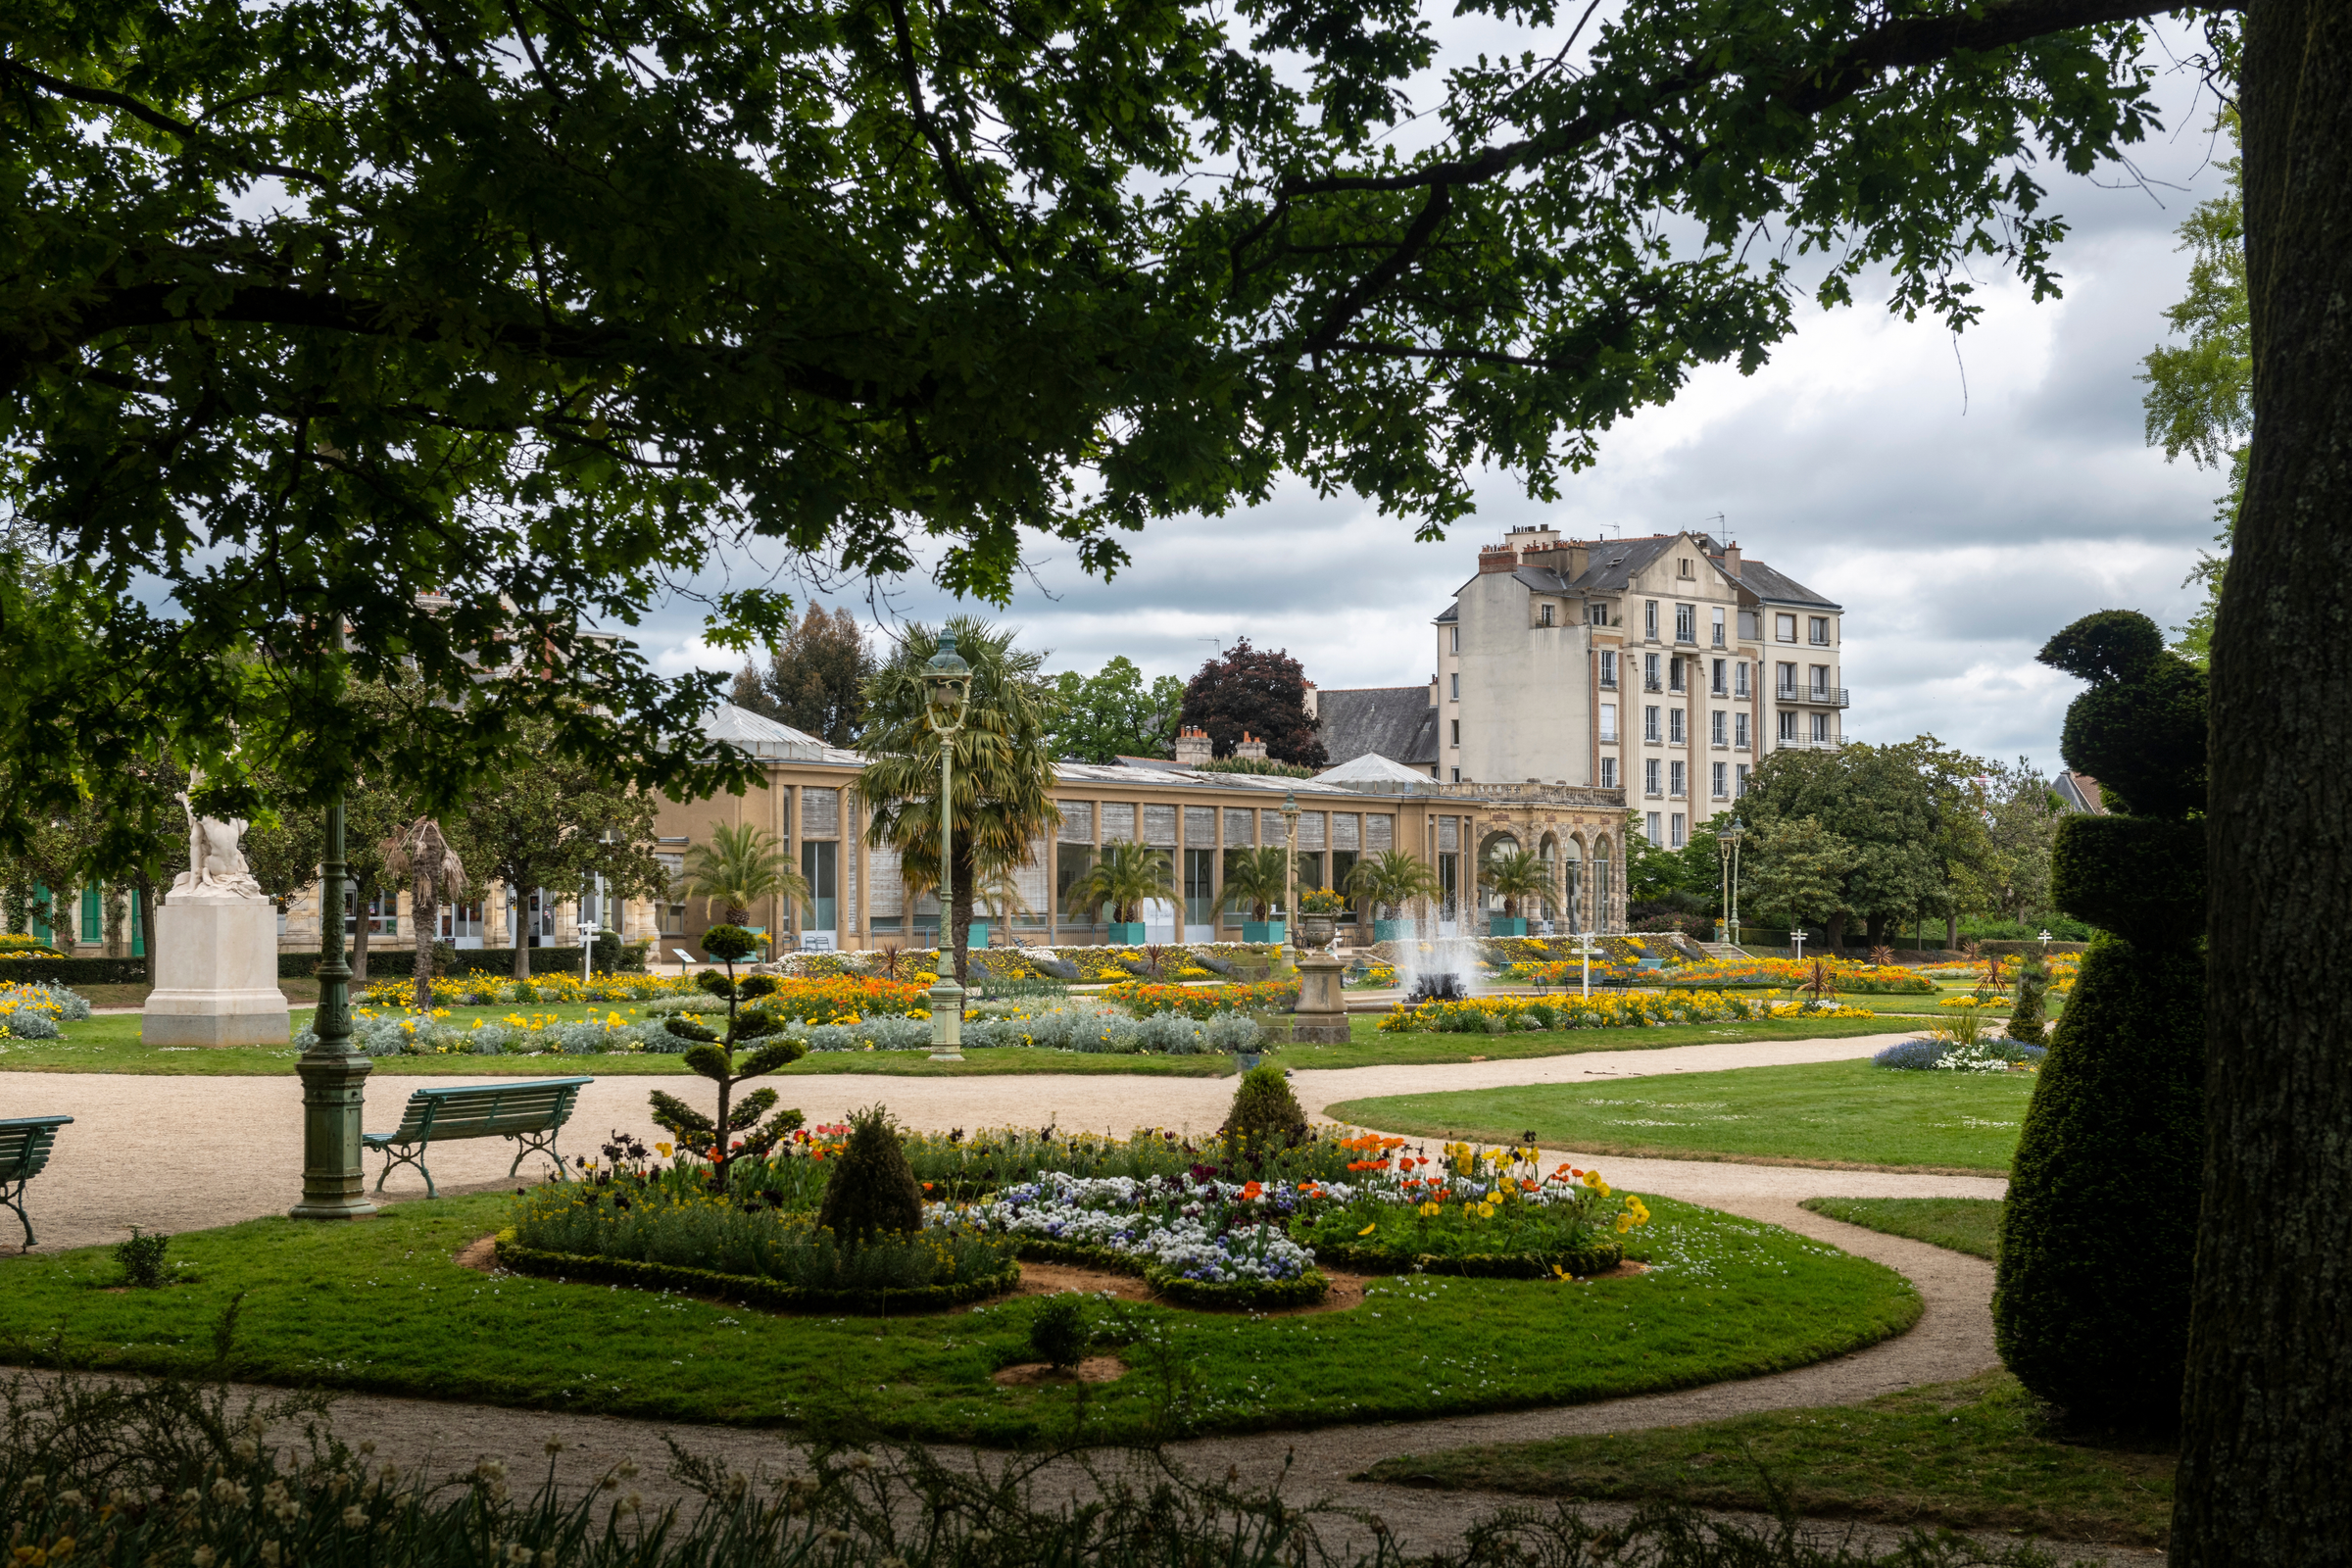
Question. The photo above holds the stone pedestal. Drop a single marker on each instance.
(214, 968)
(1321, 1016)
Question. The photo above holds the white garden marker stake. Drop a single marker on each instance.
(1588, 951)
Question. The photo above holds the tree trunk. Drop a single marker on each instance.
(359, 941)
(1837, 934)
(424, 919)
(1951, 932)
(515, 913)
(961, 918)
(1873, 931)
(2266, 1419)
(146, 920)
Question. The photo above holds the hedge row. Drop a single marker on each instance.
(392, 964)
(747, 1289)
(74, 971)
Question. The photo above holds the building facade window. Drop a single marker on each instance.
(1454, 636)
(1548, 615)
(1598, 613)
(1649, 828)
(1457, 740)
(1821, 681)
(1686, 623)
(1674, 726)
(1722, 776)
(1718, 642)
(1608, 722)
(1199, 887)
(1649, 672)
(1608, 669)
(1674, 675)
(1608, 772)
(1676, 779)
(1649, 619)
(1649, 777)
(1740, 777)
(1740, 679)
(1716, 676)
(1819, 628)
(1456, 691)
(1788, 724)
(1787, 678)
(820, 867)
(1649, 723)
(1784, 628)
(1821, 728)
(1457, 776)
(1750, 626)
(1740, 730)
(1715, 729)
(1676, 835)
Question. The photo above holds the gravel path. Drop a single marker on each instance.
(179, 1154)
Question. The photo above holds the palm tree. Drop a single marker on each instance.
(1395, 878)
(740, 868)
(1003, 772)
(1259, 879)
(1126, 875)
(419, 855)
(1516, 875)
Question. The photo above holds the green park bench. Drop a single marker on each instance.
(528, 1113)
(24, 1145)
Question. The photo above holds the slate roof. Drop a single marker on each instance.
(1396, 722)
(1776, 587)
(762, 736)
(1373, 768)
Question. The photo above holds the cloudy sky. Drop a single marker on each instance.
(1962, 504)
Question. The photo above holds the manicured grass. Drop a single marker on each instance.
(1823, 1113)
(1971, 1455)
(378, 1305)
(111, 1044)
(1963, 1224)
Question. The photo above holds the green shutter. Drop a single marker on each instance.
(138, 927)
(93, 914)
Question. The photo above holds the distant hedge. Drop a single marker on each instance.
(75, 971)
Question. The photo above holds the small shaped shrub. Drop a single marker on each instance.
(1264, 1118)
(1057, 1331)
(142, 1258)
(2025, 1023)
(873, 1191)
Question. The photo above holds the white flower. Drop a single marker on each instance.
(354, 1517)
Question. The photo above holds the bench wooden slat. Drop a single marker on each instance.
(24, 1145)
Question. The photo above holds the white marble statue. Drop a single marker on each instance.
(214, 863)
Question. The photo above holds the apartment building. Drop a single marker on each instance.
(1666, 666)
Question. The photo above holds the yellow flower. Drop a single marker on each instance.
(1369, 1229)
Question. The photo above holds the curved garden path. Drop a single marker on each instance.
(177, 1154)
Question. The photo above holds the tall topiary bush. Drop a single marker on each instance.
(871, 1191)
(736, 1129)
(2091, 1305)
(1264, 1117)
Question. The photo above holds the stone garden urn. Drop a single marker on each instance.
(1316, 930)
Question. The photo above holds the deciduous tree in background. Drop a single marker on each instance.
(1796, 869)
(1114, 713)
(1257, 691)
(815, 677)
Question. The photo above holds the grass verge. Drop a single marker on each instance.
(380, 1307)
(111, 1044)
(1978, 1454)
(1833, 1114)
(1963, 1224)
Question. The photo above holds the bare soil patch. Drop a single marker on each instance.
(1093, 1369)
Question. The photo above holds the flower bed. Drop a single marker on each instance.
(664, 1229)
(1489, 1212)
(1090, 966)
(490, 991)
(845, 998)
(34, 1010)
(1611, 1011)
(1142, 999)
(1176, 1230)
(518, 1034)
(1954, 1055)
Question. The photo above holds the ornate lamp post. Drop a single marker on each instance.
(334, 1077)
(1290, 883)
(950, 680)
(1727, 844)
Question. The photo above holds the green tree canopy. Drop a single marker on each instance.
(1114, 713)
(1903, 810)
(1796, 869)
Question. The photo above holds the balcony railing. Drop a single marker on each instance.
(1801, 742)
(1649, 683)
(1813, 696)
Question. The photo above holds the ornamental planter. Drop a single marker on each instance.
(1499, 926)
(1316, 930)
(976, 934)
(1126, 933)
(1261, 931)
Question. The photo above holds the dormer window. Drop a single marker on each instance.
(1689, 570)
(1548, 615)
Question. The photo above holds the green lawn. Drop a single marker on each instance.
(379, 1307)
(1969, 1455)
(111, 1044)
(1823, 1113)
(1963, 1224)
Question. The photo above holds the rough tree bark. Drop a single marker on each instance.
(2266, 1474)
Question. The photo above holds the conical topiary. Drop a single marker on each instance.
(1264, 1118)
(2091, 1292)
(2026, 1025)
(871, 1191)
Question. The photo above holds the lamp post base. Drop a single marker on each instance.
(334, 1095)
(946, 1019)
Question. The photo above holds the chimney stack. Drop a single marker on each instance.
(1251, 746)
(1193, 746)
(1498, 558)
(1730, 558)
